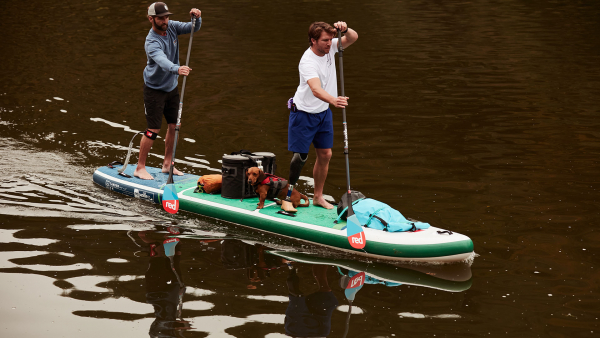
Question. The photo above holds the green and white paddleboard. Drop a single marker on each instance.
(312, 224)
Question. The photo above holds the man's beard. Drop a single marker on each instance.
(159, 27)
(323, 50)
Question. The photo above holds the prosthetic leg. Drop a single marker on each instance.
(296, 165)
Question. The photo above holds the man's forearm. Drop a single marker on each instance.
(349, 38)
(323, 95)
(156, 54)
(351, 35)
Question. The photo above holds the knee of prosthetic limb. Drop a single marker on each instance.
(303, 156)
(150, 134)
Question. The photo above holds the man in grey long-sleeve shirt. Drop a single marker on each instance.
(160, 81)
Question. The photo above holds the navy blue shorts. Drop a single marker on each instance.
(305, 128)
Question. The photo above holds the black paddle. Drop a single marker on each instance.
(170, 201)
(354, 232)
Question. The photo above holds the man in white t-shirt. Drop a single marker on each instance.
(310, 116)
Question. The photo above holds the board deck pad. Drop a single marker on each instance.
(160, 178)
(311, 214)
(187, 183)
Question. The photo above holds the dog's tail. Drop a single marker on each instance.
(304, 197)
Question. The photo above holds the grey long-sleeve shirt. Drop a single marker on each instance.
(163, 55)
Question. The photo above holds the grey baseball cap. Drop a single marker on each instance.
(158, 9)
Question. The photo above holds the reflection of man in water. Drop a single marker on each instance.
(310, 315)
(162, 288)
(236, 254)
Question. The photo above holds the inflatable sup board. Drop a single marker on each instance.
(311, 224)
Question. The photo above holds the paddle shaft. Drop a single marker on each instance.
(341, 65)
(180, 306)
(353, 223)
(178, 125)
(348, 319)
(172, 261)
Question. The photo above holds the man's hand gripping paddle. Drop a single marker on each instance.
(170, 201)
(354, 232)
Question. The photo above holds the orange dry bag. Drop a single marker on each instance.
(210, 184)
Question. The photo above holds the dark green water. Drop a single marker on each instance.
(479, 117)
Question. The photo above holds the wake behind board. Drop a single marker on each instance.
(312, 224)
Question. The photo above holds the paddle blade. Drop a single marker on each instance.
(355, 233)
(169, 246)
(170, 201)
(354, 284)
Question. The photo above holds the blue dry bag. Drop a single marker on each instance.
(380, 216)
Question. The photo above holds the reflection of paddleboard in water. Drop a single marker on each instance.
(452, 278)
(311, 224)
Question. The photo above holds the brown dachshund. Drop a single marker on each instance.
(268, 189)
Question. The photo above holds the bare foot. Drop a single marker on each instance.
(143, 174)
(322, 203)
(287, 206)
(175, 171)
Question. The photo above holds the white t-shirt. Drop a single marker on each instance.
(311, 66)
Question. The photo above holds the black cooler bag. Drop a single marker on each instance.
(235, 184)
(268, 161)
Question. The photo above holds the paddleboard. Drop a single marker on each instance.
(312, 224)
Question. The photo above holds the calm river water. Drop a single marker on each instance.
(480, 117)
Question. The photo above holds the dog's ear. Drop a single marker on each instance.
(261, 176)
